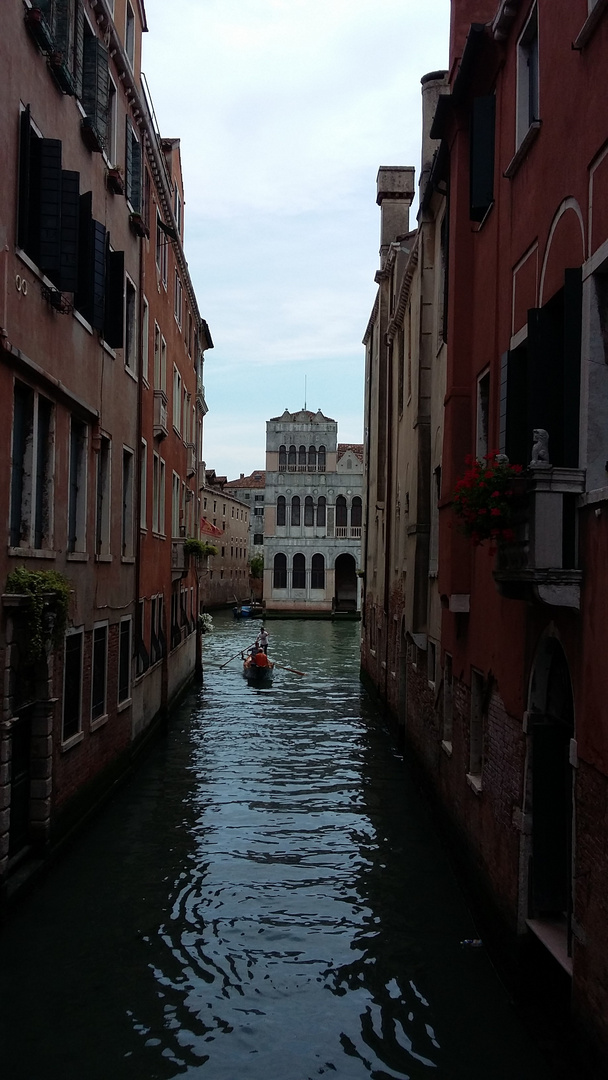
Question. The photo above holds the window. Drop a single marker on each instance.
(291, 458)
(161, 250)
(127, 503)
(158, 494)
(175, 505)
(321, 512)
(295, 510)
(31, 507)
(302, 458)
(476, 725)
(282, 458)
(431, 661)
(309, 511)
(298, 577)
(321, 459)
(483, 119)
(179, 299)
(317, 572)
(124, 659)
(356, 513)
(111, 122)
(177, 399)
(142, 657)
(157, 385)
(143, 473)
(103, 498)
(133, 165)
(145, 339)
(281, 512)
(77, 487)
(258, 538)
(312, 458)
(92, 83)
(280, 571)
(72, 685)
(49, 206)
(130, 34)
(448, 701)
(130, 326)
(157, 635)
(483, 406)
(99, 672)
(177, 209)
(163, 364)
(341, 512)
(527, 78)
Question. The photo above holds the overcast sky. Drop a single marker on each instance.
(285, 110)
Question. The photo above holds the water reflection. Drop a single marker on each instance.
(265, 900)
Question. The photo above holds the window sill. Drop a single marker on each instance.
(590, 25)
(104, 558)
(446, 746)
(129, 371)
(72, 741)
(519, 155)
(101, 721)
(122, 705)
(474, 782)
(159, 535)
(129, 559)
(83, 322)
(77, 556)
(32, 553)
(108, 348)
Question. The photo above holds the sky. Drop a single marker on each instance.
(285, 110)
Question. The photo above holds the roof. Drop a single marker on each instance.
(302, 415)
(355, 448)
(255, 479)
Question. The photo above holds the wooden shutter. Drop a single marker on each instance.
(61, 26)
(79, 47)
(82, 299)
(133, 163)
(573, 316)
(113, 324)
(25, 137)
(98, 271)
(70, 195)
(95, 85)
(47, 157)
(483, 118)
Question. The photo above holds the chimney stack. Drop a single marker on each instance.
(395, 192)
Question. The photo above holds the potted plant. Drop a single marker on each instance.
(138, 225)
(45, 612)
(198, 549)
(115, 181)
(484, 498)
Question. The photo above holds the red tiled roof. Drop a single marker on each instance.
(256, 479)
(356, 448)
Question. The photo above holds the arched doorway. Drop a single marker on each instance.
(346, 584)
(551, 727)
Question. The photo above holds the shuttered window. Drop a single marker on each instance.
(113, 324)
(483, 119)
(95, 93)
(133, 168)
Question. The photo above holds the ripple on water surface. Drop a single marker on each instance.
(265, 900)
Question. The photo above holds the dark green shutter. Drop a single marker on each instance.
(113, 325)
(95, 85)
(82, 299)
(135, 196)
(78, 47)
(483, 119)
(98, 275)
(68, 277)
(61, 27)
(48, 161)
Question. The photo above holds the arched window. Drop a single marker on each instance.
(356, 512)
(282, 458)
(309, 511)
(281, 510)
(341, 512)
(302, 457)
(298, 579)
(280, 571)
(291, 458)
(321, 512)
(312, 458)
(295, 510)
(317, 573)
(321, 459)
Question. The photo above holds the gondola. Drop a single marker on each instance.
(257, 676)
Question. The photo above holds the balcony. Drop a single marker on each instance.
(179, 559)
(160, 415)
(541, 562)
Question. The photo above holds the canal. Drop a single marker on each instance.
(265, 899)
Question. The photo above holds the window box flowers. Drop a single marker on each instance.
(485, 498)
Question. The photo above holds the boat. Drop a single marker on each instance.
(248, 611)
(257, 676)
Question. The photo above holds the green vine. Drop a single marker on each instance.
(200, 549)
(47, 611)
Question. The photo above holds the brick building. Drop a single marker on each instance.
(251, 489)
(507, 711)
(91, 257)
(224, 523)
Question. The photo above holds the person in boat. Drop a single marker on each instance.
(262, 639)
(256, 657)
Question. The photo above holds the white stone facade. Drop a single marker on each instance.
(313, 517)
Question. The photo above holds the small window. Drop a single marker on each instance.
(179, 299)
(130, 35)
(527, 78)
(145, 339)
(143, 493)
(127, 503)
(476, 725)
(317, 573)
(72, 685)
(295, 510)
(309, 511)
(483, 407)
(124, 660)
(280, 571)
(321, 512)
(448, 701)
(298, 579)
(77, 487)
(99, 672)
(130, 353)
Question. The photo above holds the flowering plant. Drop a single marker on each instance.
(483, 498)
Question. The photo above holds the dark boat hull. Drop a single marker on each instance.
(258, 676)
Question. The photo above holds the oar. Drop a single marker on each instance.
(284, 668)
(239, 653)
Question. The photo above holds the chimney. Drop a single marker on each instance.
(395, 192)
(433, 85)
(242, 476)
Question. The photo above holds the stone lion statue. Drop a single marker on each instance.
(540, 447)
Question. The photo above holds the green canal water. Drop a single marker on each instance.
(266, 899)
